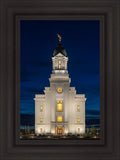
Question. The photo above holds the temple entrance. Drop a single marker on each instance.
(59, 130)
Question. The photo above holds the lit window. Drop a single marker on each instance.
(60, 101)
(59, 64)
(78, 130)
(59, 106)
(59, 118)
(41, 119)
(78, 108)
(41, 108)
(78, 119)
(59, 90)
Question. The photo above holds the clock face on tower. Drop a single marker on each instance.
(59, 90)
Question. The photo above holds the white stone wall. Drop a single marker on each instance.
(40, 100)
(70, 113)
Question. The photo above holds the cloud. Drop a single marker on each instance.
(33, 90)
(37, 62)
(92, 112)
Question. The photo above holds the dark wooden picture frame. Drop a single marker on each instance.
(108, 147)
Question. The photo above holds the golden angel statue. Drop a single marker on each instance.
(59, 37)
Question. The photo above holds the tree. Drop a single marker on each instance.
(25, 129)
(28, 129)
(87, 130)
(93, 130)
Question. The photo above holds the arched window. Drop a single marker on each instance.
(41, 119)
(59, 106)
(59, 64)
(59, 118)
(78, 108)
(41, 108)
(78, 120)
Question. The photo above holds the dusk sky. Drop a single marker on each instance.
(81, 40)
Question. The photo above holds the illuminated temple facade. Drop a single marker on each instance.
(59, 110)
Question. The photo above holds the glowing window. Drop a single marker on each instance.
(59, 64)
(59, 90)
(59, 118)
(41, 119)
(59, 102)
(78, 119)
(59, 106)
(78, 130)
(41, 108)
(78, 108)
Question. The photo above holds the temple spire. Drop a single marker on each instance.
(59, 38)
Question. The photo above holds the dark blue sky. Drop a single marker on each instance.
(81, 39)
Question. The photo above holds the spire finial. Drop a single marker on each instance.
(59, 37)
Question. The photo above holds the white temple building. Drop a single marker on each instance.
(59, 110)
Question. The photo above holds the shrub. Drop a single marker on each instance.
(93, 130)
(87, 130)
